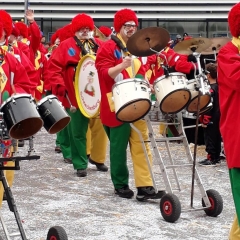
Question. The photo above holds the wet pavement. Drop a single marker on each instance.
(48, 193)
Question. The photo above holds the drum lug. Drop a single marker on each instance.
(157, 89)
(50, 100)
(117, 91)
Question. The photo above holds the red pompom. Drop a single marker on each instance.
(80, 21)
(15, 31)
(65, 32)
(234, 20)
(123, 16)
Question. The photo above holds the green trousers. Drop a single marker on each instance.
(64, 142)
(118, 137)
(77, 134)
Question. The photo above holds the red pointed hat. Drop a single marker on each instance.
(23, 29)
(82, 20)
(234, 20)
(6, 21)
(105, 30)
(122, 16)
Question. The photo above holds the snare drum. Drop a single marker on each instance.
(172, 93)
(131, 99)
(53, 114)
(21, 116)
(155, 115)
(204, 99)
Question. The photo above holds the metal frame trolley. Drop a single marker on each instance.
(170, 205)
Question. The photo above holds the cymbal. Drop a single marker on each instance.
(218, 43)
(185, 47)
(139, 43)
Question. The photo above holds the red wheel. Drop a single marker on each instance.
(57, 233)
(216, 203)
(170, 207)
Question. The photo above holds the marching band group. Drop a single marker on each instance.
(26, 67)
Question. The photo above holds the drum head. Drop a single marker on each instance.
(87, 87)
(134, 110)
(175, 101)
(204, 101)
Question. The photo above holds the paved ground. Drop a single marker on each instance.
(49, 193)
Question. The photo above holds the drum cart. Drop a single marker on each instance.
(170, 205)
(55, 232)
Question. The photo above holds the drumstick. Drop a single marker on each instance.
(72, 108)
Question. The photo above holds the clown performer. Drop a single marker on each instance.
(13, 79)
(61, 72)
(229, 97)
(114, 65)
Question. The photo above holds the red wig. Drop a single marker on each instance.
(82, 20)
(15, 31)
(1, 28)
(123, 16)
(23, 29)
(234, 20)
(105, 30)
(6, 21)
(65, 32)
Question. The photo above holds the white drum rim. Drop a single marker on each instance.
(170, 74)
(16, 96)
(131, 80)
(43, 100)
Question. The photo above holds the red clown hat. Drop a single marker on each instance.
(6, 21)
(82, 20)
(123, 16)
(105, 30)
(15, 31)
(234, 20)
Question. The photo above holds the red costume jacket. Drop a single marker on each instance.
(173, 59)
(109, 55)
(61, 68)
(229, 99)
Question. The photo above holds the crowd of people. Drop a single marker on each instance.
(33, 66)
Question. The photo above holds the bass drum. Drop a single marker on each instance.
(53, 114)
(21, 116)
(87, 87)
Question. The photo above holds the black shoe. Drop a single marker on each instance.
(20, 143)
(67, 160)
(58, 149)
(208, 162)
(124, 192)
(81, 172)
(100, 166)
(145, 193)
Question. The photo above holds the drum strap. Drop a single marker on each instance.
(83, 49)
(119, 43)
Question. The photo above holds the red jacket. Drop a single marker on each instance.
(109, 55)
(61, 68)
(229, 99)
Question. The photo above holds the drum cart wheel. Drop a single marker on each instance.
(170, 207)
(57, 233)
(216, 203)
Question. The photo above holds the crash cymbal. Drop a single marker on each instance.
(139, 43)
(218, 43)
(186, 46)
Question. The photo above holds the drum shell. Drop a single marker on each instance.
(21, 116)
(172, 93)
(53, 114)
(193, 103)
(131, 99)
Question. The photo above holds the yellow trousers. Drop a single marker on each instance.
(96, 140)
(235, 230)
(9, 174)
(141, 171)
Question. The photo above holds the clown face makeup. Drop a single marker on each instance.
(129, 28)
(84, 33)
